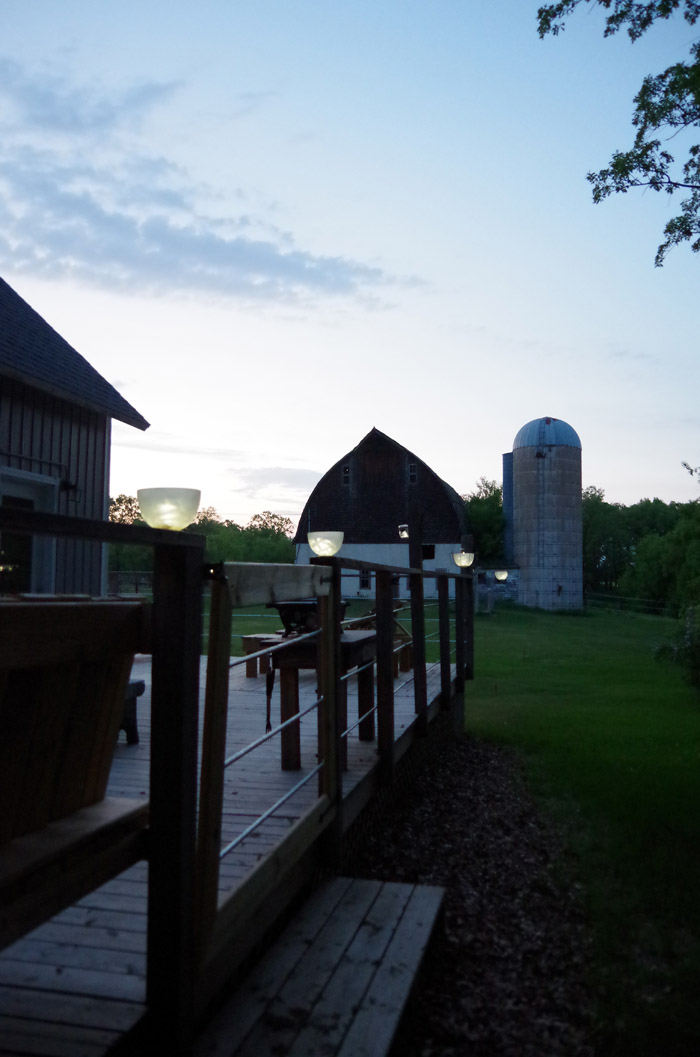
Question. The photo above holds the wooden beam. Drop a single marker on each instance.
(177, 591)
(211, 783)
(385, 676)
(43, 524)
(443, 585)
(252, 583)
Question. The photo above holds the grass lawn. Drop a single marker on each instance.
(610, 739)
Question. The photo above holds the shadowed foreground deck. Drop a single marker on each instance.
(76, 985)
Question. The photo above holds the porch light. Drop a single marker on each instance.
(169, 508)
(463, 559)
(403, 532)
(325, 544)
(501, 575)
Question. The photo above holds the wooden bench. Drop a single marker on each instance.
(251, 644)
(64, 669)
(337, 981)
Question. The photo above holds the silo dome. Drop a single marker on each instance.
(546, 432)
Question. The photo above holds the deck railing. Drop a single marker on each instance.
(193, 942)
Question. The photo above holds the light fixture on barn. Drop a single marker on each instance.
(325, 544)
(169, 508)
(403, 532)
(463, 559)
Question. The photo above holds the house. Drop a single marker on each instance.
(367, 494)
(55, 426)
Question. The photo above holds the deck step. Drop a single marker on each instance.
(336, 982)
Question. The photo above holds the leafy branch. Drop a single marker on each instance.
(667, 103)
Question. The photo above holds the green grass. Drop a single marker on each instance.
(610, 739)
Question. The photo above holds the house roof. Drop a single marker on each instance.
(367, 493)
(32, 352)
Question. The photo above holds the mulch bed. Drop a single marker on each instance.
(506, 977)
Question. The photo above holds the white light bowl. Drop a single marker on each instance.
(169, 508)
(463, 559)
(501, 575)
(325, 544)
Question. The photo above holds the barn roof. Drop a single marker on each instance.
(31, 351)
(366, 494)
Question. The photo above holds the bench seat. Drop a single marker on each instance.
(337, 981)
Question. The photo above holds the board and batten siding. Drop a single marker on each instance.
(42, 435)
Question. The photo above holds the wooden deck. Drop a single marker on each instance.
(76, 985)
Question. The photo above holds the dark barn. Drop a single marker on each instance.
(370, 492)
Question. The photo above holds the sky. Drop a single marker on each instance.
(276, 224)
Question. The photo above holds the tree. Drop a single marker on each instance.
(606, 542)
(272, 523)
(124, 510)
(485, 510)
(666, 105)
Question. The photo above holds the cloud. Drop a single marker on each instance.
(49, 102)
(80, 198)
(256, 482)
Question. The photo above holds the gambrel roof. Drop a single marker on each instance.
(367, 493)
(32, 352)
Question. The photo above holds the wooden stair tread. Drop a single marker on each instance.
(337, 980)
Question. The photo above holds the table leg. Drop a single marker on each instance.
(289, 706)
(365, 701)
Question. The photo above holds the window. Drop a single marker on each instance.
(365, 580)
(346, 475)
(428, 551)
(27, 563)
(412, 473)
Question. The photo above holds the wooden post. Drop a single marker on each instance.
(415, 558)
(365, 701)
(331, 774)
(289, 707)
(460, 632)
(469, 613)
(385, 677)
(443, 585)
(177, 629)
(213, 755)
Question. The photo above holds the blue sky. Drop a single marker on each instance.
(275, 225)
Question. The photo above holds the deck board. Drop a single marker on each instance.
(83, 972)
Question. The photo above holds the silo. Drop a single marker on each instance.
(546, 513)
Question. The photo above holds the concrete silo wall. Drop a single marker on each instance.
(547, 535)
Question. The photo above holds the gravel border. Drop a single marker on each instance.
(506, 976)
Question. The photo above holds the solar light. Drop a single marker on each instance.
(463, 559)
(169, 508)
(325, 544)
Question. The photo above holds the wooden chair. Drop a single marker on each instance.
(64, 668)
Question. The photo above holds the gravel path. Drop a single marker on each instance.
(506, 978)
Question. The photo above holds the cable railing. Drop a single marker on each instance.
(371, 649)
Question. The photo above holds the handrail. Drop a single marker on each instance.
(268, 734)
(270, 811)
